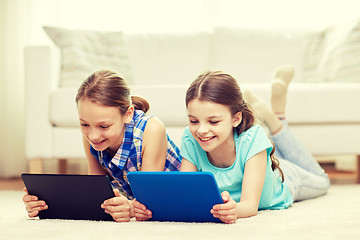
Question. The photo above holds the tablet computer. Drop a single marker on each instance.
(177, 196)
(75, 197)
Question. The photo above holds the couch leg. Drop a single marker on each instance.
(358, 170)
(62, 166)
(36, 165)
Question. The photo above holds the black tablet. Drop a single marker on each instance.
(76, 197)
(177, 196)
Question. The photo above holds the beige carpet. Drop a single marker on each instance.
(333, 216)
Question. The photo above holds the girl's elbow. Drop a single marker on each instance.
(251, 212)
(254, 212)
(248, 212)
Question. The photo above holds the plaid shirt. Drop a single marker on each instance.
(128, 157)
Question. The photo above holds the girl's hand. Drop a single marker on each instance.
(226, 212)
(140, 211)
(118, 207)
(32, 204)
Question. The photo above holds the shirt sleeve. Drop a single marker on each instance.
(254, 141)
(188, 148)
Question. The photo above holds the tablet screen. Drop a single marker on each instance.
(76, 197)
(177, 196)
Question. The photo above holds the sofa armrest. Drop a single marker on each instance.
(38, 84)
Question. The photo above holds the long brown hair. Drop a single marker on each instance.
(110, 89)
(221, 88)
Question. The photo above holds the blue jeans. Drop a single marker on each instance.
(302, 173)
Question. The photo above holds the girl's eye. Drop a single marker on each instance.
(104, 127)
(193, 121)
(84, 125)
(214, 122)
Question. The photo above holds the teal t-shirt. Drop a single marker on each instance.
(275, 194)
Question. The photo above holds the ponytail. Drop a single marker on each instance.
(248, 119)
(140, 103)
(275, 164)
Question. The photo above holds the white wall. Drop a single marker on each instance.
(22, 20)
(12, 89)
(3, 87)
(286, 13)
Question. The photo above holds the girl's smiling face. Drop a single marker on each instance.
(211, 124)
(101, 125)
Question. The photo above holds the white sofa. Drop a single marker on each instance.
(322, 111)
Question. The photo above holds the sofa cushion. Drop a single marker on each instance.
(340, 61)
(251, 55)
(323, 103)
(83, 52)
(314, 48)
(307, 103)
(167, 58)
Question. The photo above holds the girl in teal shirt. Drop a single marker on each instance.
(222, 138)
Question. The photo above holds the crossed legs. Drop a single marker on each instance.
(303, 174)
(271, 116)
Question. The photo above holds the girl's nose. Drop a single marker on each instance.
(203, 129)
(94, 136)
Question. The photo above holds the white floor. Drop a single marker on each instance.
(333, 216)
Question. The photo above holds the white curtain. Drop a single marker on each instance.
(21, 24)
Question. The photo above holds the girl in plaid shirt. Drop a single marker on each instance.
(118, 138)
